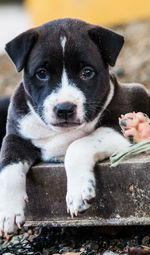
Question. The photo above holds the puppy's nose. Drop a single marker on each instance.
(65, 110)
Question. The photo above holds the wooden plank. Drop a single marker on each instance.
(123, 195)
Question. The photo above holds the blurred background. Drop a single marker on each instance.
(130, 18)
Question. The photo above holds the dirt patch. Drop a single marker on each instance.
(133, 64)
(9, 78)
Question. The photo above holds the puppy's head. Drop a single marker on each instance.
(65, 66)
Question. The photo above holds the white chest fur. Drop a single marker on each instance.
(53, 143)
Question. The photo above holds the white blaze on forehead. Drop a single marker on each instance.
(63, 40)
(64, 79)
(66, 92)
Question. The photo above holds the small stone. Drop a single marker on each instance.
(15, 240)
(118, 216)
(82, 249)
(8, 253)
(69, 253)
(25, 242)
(110, 253)
(27, 246)
(36, 232)
(45, 252)
(26, 228)
(1, 241)
(24, 237)
(94, 246)
(146, 240)
(30, 232)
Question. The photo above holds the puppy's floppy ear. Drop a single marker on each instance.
(108, 42)
(18, 49)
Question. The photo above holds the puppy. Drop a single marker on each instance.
(4, 102)
(67, 106)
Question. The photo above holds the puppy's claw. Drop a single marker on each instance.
(18, 225)
(1, 233)
(7, 236)
(72, 215)
(85, 202)
(26, 199)
(76, 213)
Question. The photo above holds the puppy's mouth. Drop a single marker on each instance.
(66, 124)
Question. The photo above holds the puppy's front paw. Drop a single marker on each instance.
(11, 212)
(80, 196)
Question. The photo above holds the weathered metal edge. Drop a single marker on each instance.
(138, 159)
(91, 222)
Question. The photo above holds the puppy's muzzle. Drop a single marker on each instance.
(65, 111)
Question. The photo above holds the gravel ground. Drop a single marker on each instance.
(132, 66)
(83, 241)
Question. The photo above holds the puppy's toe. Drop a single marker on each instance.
(82, 206)
(1, 225)
(20, 219)
(76, 205)
(11, 213)
(88, 194)
(9, 224)
(79, 199)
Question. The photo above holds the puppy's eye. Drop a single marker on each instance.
(87, 73)
(42, 74)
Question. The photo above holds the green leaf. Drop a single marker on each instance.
(132, 150)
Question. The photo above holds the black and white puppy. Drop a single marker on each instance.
(66, 106)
